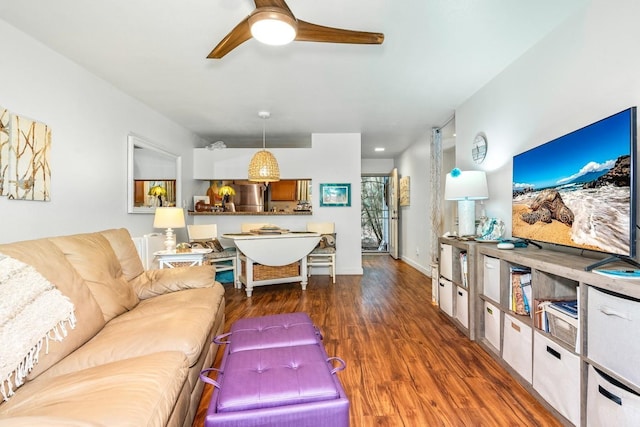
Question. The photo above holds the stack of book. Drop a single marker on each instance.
(568, 307)
(520, 291)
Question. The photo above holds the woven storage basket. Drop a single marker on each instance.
(562, 328)
(177, 264)
(267, 272)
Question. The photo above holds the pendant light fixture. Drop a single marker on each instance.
(263, 166)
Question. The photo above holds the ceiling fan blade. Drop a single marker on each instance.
(240, 34)
(308, 32)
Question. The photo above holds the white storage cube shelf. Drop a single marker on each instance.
(446, 261)
(587, 368)
(462, 306)
(556, 376)
(613, 333)
(445, 296)
(491, 278)
(517, 346)
(492, 325)
(610, 403)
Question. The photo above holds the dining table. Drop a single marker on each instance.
(274, 248)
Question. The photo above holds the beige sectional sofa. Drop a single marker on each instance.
(139, 342)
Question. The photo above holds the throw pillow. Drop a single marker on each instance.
(327, 241)
(213, 244)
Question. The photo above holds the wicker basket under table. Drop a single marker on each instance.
(268, 272)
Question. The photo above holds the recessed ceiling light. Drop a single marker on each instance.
(379, 149)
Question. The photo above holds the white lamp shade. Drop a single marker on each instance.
(169, 218)
(469, 185)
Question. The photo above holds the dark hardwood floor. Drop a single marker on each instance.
(407, 365)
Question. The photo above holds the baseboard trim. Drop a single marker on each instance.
(421, 268)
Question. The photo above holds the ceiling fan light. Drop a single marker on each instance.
(263, 167)
(272, 27)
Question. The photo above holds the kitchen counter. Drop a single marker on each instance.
(192, 213)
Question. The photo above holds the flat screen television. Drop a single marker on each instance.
(579, 190)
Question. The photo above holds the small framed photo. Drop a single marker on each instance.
(335, 195)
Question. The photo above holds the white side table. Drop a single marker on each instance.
(172, 259)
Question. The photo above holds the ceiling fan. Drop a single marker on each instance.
(272, 22)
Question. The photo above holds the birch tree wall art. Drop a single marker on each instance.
(24, 158)
(5, 145)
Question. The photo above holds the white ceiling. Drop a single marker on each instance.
(436, 54)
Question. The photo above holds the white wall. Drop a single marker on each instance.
(332, 158)
(584, 71)
(415, 223)
(90, 120)
(377, 166)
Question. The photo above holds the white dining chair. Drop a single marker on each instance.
(223, 260)
(324, 255)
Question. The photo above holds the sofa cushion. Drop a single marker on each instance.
(141, 391)
(162, 281)
(51, 263)
(45, 420)
(179, 321)
(124, 248)
(94, 259)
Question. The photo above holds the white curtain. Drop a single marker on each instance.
(436, 196)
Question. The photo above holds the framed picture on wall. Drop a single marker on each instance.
(335, 195)
(404, 191)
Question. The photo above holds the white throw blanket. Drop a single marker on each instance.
(32, 311)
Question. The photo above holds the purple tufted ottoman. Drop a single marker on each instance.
(277, 330)
(290, 384)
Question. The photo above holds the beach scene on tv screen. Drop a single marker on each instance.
(576, 190)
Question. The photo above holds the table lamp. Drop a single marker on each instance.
(169, 218)
(466, 187)
(226, 191)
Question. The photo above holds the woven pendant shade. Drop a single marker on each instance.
(264, 167)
